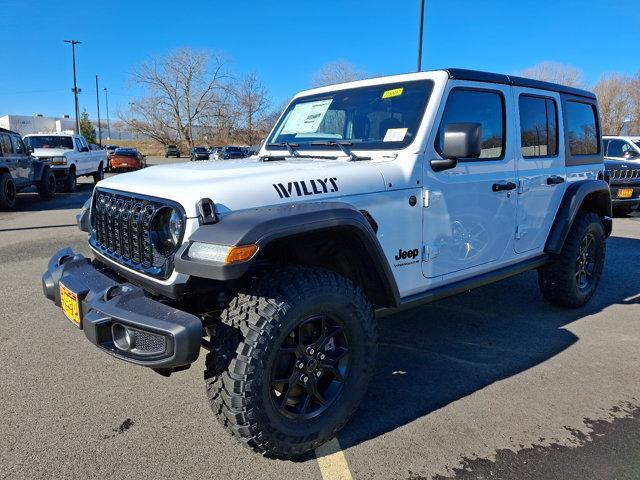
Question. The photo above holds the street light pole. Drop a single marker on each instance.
(420, 35)
(75, 83)
(106, 99)
(98, 103)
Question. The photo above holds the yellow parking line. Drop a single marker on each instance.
(332, 462)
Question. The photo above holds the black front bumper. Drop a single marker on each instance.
(163, 336)
(631, 203)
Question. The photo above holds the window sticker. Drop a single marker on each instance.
(396, 92)
(306, 117)
(395, 135)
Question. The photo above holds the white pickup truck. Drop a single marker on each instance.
(69, 156)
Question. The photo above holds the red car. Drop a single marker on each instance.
(126, 159)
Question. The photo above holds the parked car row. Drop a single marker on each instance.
(52, 162)
(212, 153)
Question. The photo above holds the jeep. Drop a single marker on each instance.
(18, 170)
(622, 164)
(172, 151)
(366, 197)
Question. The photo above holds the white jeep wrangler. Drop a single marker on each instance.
(367, 197)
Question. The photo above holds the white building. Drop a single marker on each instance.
(25, 124)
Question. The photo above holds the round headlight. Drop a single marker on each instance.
(168, 228)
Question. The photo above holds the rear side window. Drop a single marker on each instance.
(538, 126)
(582, 132)
(476, 106)
(5, 144)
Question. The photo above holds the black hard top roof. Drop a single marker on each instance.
(477, 76)
(4, 130)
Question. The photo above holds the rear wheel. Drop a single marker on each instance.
(47, 185)
(8, 191)
(71, 182)
(291, 360)
(570, 279)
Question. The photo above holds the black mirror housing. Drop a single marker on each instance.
(462, 140)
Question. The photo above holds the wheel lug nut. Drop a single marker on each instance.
(311, 351)
(322, 356)
(300, 365)
(318, 373)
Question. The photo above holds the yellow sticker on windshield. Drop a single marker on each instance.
(392, 93)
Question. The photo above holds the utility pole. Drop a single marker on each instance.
(98, 103)
(106, 99)
(420, 36)
(75, 84)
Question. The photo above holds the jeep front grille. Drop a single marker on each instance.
(122, 231)
(624, 174)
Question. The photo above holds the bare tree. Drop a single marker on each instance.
(182, 88)
(336, 72)
(634, 99)
(556, 73)
(148, 118)
(614, 101)
(252, 103)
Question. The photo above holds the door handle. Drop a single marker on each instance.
(554, 180)
(499, 187)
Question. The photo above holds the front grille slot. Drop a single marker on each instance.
(121, 230)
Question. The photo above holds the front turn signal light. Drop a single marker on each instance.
(241, 253)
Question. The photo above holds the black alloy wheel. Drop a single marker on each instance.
(311, 368)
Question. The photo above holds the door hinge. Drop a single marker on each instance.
(425, 198)
(429, 252)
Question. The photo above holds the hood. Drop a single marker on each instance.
(50, 152)
(247, 183)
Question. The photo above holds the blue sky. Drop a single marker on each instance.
(286, 41)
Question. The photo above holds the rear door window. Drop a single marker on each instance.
(18, 146)
(582, 131)
(538, 126)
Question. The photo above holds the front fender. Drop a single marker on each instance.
(261, 226)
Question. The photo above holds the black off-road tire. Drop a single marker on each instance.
(558, 279)
(8, 191)
(47, 185)
(98, 174)
(245, 344)
(71, 182)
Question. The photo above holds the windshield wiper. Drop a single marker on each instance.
(289, 146)
(342, 146)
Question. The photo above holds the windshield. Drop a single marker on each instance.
(637, 142)
(232, 149)
(374, 117)
(49, 141)
(200, 149)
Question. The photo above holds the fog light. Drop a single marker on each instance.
(123, 338)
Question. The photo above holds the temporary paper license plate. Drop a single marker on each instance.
(70, 305)
(625, 192)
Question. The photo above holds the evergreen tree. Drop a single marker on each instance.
(86, 128)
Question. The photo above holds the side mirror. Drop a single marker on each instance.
(630, 154)
(29, 149)
(461, 140)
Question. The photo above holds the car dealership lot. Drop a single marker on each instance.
(476, 376)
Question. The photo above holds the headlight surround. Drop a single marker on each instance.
(58, 161)
(167, 229)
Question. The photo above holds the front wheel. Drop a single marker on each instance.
(47, 185)
(571, 277)
(99, 174)
(291, 360)
(71, 182)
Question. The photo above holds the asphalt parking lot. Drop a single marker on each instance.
(490, 384)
